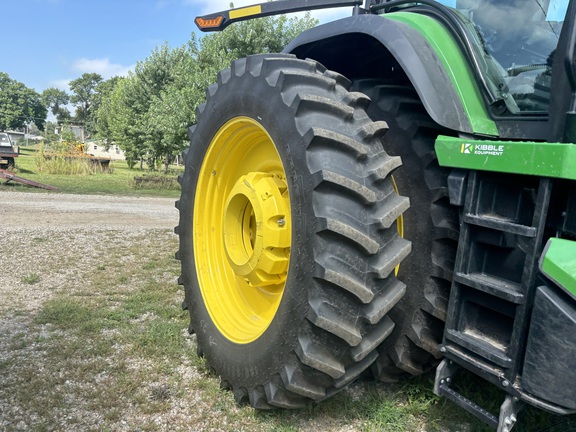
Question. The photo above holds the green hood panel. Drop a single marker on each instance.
(532, 158)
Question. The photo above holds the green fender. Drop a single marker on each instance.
(367, 45)
(558, 262)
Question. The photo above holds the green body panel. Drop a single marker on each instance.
(455, 65)
(559, 263)
(540, 159)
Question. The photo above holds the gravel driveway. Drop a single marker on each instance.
(60, 239)
(41, 231)
(20, 210)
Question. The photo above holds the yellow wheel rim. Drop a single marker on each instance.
(399, 224)
(242, 230)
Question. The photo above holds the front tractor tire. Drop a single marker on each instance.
(288, 232)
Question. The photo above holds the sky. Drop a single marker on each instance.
(47, 43)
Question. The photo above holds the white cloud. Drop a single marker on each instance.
(101, 66)
(61, 84)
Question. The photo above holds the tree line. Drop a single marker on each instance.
(148, 112)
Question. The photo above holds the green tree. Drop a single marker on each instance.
(126, 116)
(103, 91)
(19, 105)
(157, 73)
(101, 107)
(149, 112)
(83, 90)
(56, 100)
(118, 122)
(49, 133)
(174, 111)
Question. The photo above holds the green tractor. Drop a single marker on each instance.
(394, 192)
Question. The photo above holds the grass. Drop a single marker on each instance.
(117, 181)
(112, 353)
(30, 278)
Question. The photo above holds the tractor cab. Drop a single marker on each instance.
(515, 45)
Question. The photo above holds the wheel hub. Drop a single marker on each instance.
(256, 232)
(242, 229)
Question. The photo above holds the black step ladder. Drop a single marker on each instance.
(493, 286)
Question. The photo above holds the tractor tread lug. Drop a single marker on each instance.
(370, 342)
(347, 184)
(258, 399)
(279, 397)
(355, 371)
(327, 139)
(296, 381)
(386, 262)
(347, 231)
(382, 304)
(327, 317)
(374, 130)
(348, 283)
(319, 358)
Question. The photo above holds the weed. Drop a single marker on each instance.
(30, 278)
(157, 181)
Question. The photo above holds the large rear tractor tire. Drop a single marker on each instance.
(288, 232)
(431, 224)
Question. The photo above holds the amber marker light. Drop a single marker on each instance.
(205, 23)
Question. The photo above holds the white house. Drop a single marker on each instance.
(98, 149)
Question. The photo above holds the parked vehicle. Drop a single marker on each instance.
(7, 152)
